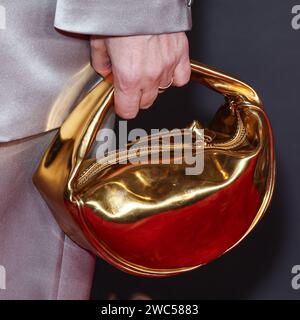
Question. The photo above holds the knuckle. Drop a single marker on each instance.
(128, 81)
(170, 62)
(183, 79)
(154, 74)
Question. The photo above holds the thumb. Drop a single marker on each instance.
(99, 55)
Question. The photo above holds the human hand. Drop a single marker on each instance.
(140, 65)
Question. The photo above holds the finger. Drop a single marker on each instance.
(167, 77)
(167, 81)
(148, 97)
(99, 56)
(166, 84)
(182, 73)
(127, 102)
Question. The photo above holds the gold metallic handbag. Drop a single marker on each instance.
(154, 219)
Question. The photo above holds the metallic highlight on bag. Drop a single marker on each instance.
(153, 219)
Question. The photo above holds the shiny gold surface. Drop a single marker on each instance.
(127, 194)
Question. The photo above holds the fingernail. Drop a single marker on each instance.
(146, 107)
(129, 114)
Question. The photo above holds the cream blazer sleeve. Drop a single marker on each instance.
(123, 17)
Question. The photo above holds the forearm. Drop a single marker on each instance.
(123, 17)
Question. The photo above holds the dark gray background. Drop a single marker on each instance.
(254, 40)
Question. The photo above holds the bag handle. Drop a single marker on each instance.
(224, 84)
